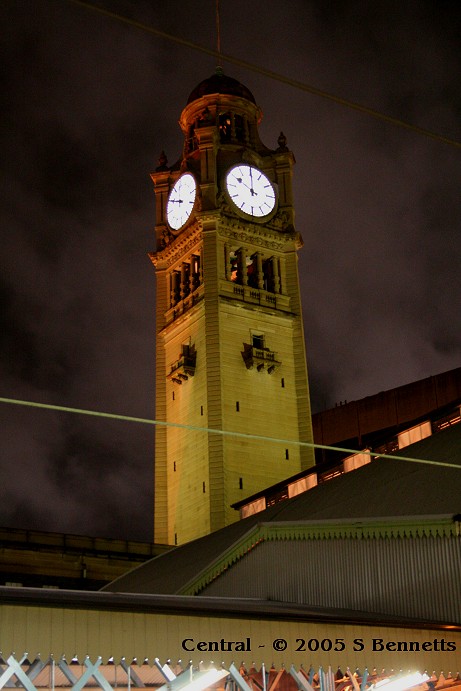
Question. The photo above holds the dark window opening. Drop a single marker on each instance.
(252, 271)
(237, 406)
(240, 482)
(258, 341)
(268, 275)
(233, 266)
(175, 287)
(203, 488)
(275, 498)
(195, 268)
(201, 410)
(239, 128)
(287, 455)
(283, 382)
(185, 276)
(225, 127)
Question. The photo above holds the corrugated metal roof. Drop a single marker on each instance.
(383, 489)
(408, 577)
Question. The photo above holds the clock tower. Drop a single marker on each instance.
(230, 352)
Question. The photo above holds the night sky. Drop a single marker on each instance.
(88, 103)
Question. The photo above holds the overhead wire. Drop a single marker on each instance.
(301, 86)
(223, 433)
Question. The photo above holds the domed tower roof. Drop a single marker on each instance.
(220, 83)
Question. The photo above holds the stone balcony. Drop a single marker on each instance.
(183, 368)
(254, 296)
(260, 358)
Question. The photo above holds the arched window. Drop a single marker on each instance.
(225, 127)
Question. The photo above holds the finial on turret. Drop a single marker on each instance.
(162, 162)
(282, 142)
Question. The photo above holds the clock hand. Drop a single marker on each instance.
(242, 182)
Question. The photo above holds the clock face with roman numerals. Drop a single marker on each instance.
(181, 201)
(251, 191)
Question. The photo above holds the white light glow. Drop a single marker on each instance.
(401, 683)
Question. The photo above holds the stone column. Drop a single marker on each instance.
(227, 264)
(242, 275)
(275, 274)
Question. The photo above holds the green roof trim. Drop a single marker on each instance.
(371, 529)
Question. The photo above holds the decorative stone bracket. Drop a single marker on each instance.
(261, 358)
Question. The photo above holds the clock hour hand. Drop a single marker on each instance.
(242, 182)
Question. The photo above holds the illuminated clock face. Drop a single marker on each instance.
(251, 191)
(181, 201)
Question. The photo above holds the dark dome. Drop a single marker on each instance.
(220, 84)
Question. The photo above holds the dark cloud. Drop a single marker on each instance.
(88, 104)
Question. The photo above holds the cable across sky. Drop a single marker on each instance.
(224, 433)
(301, 86)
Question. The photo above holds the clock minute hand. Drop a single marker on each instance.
(251, 182)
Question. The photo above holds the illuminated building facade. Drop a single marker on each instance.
(230, 349)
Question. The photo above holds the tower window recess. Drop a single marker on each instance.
(233, 268)
(225, 127)
(237, 406)
(239, 121)
(195, 272)
(175, 287)
(184, 280)
(255, 270)
(174, 466)
(232, 128)
(240, 482)
(282, 381)
(287, 454)
(201, 410)
(252, 270)
(203, 488)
